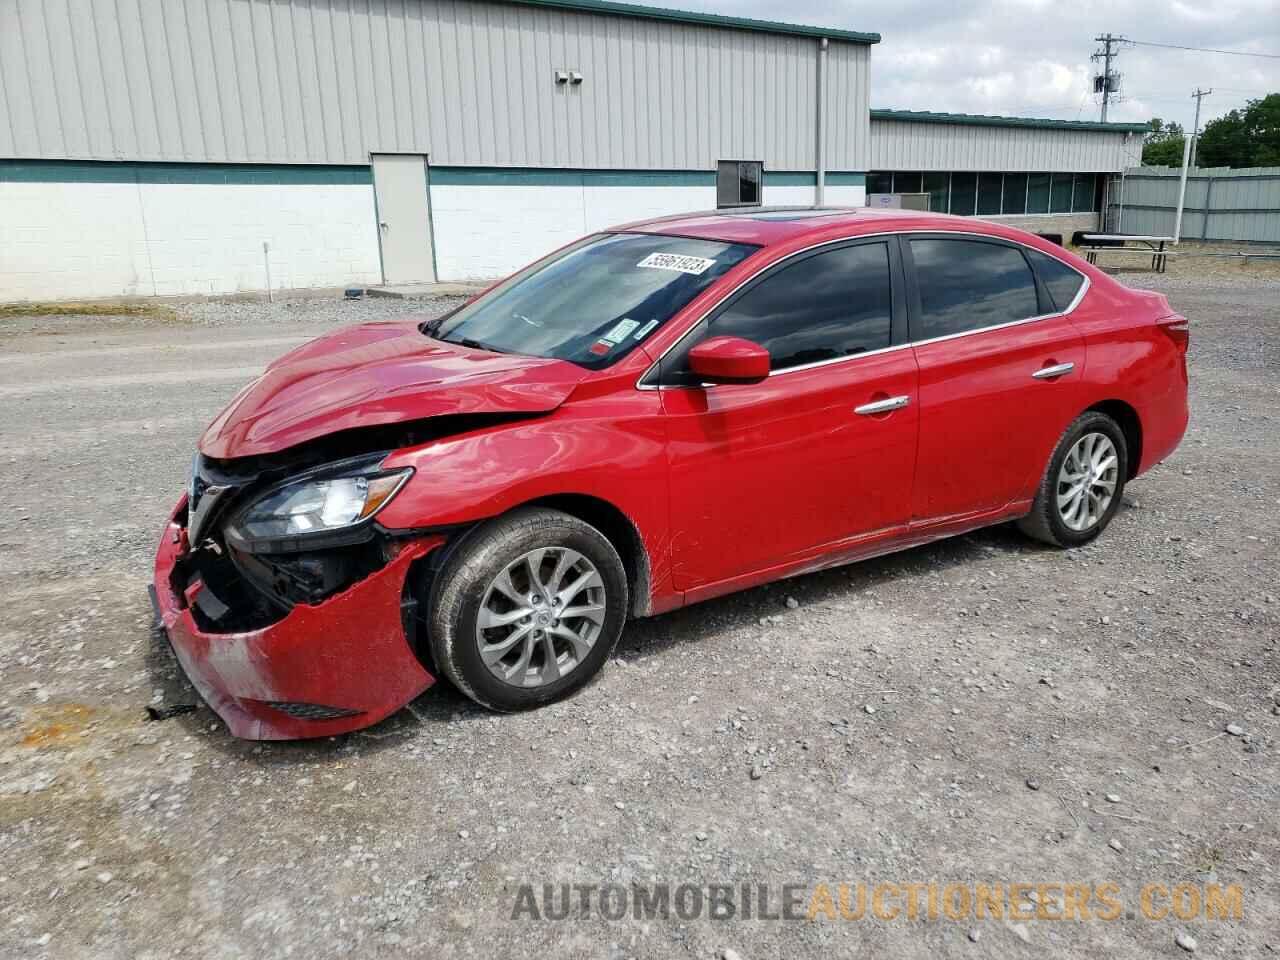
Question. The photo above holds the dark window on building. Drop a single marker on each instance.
(1060, 195)
(967, 285)
(1062, 282)
(938, 186)
(1038, 193)
(738, 183)
(829, 305)
(906, 182)
(879, 183)
(963, 193)
(1083, 195)
(989, 190)
(1015, 193)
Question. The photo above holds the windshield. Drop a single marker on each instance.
(595, 302)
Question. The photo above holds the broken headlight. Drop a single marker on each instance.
(329, 507)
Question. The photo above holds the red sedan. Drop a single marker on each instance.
(649, 417)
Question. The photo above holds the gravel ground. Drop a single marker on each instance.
(978, 710)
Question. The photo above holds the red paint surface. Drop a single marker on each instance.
(349, 652)
(379, 373)
(725, 487)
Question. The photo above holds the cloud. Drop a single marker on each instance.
(1031, 57)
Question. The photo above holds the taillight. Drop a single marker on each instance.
(1177, 329)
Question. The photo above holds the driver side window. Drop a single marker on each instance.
(837, 303)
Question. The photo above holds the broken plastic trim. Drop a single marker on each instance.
(169, 711)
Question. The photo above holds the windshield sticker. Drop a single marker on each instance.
(645, 330)
(671, 261)
(620, 331)
(601, 347)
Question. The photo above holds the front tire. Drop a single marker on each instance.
(527, 608)
(1083, 484)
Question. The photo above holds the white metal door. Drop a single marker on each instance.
(404, 219)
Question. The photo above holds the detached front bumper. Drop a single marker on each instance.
(328, 668)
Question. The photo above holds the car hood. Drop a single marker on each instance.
(375, 374)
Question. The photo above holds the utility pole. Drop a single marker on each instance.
(1195, 128)
(1106, 54)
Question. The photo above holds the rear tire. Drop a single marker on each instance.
(1083, 484)
(527, 608)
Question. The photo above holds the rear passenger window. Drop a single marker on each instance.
(828, 305)
(1062, 282)
(967, 285)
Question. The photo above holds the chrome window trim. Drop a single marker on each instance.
(1084, 287)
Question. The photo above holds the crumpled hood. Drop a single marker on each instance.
(379, 373)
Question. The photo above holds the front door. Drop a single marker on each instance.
(404, 218)
(819, 453)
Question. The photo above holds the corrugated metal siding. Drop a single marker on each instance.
(468, 82)
(1221, 203)
(899, 145)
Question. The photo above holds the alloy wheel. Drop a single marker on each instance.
(540, 616)
(1087, 481)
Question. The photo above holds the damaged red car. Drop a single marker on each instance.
(652, 416)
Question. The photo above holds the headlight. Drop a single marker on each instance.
(316, 506)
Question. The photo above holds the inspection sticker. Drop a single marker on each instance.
(672, 261)
(645, 330)
(620, 331)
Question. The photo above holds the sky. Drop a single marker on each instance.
(1031, 57)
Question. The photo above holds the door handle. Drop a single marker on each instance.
(882, 406)
(1057, 370)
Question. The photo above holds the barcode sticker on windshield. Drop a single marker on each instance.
(672, 261)
(645, 330)
(620, 330)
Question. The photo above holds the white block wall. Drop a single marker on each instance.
(83, 240)
(485, 231)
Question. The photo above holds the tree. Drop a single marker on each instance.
(1243, 138)
(1163, 144)
(1224, 142)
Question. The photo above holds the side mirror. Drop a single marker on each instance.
(729, 360)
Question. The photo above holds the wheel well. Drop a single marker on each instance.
(1130, 425)
(619, 530)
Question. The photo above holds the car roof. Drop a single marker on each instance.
(766, 226)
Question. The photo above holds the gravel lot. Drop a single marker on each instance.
(962, 712)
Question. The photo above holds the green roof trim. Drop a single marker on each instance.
(702, 19)
(981, 120)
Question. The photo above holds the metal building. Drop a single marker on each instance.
(1041, 175)
(198, 146)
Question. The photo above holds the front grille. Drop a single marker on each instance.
(310, 711)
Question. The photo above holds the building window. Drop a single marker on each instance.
(989, 193)
(1060, 194)
(1083, 197)
(1038, 193)
(738, 183)
(906, 182)
(963, 193)
(938, 186)
(1015, 193)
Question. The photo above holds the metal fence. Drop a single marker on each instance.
(1222, 203)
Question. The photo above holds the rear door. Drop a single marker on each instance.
(768, 473)
(1000, 373)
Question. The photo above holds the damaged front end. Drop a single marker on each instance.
(289, 608)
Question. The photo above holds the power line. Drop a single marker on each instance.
(1178, 46)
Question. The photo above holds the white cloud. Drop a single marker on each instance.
(1031, 57)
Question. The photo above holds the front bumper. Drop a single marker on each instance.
(328, 668)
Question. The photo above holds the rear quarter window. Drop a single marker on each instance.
(1061, 281)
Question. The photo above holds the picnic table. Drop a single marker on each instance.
(1126, 241)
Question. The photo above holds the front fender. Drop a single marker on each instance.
(617, 455)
